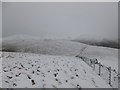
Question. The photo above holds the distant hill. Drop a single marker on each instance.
(28, 44)
(22, 43)
(103, 43)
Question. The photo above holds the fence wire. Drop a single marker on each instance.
(107, 73)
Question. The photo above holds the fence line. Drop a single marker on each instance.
(107, 73)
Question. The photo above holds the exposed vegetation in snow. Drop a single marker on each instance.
(45, 71)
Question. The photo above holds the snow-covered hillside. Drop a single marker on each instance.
(43, 46)
(53, 60)
(0, 69)
(45, 71)
(107, 56)
(99, 41)
(24, 43)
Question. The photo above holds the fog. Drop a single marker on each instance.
(60, 20)
(0, 20)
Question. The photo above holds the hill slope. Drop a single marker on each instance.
(43, 46)
(43, 71)
(99, 41)
(23, 43)
(107, 56)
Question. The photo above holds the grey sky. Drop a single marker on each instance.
(0, 20)
(61, 20)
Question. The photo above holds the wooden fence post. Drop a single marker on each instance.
(99, 69)
(90, 62)
(93, 64)
(109, 69)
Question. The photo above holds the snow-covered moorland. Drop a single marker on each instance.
(24, 43)
(48, 71)
(41, 63)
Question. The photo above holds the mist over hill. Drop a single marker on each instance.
(22, 43)
(98, 41)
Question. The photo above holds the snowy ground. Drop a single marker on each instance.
(43, 46)
(55, 63)
(45, 71)
(24, 43)
(0, 69)
(107, 56)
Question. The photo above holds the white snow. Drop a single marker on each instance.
(0, 69)
(107, 56)
(43, 46)
(22, 70)
(52, 55)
